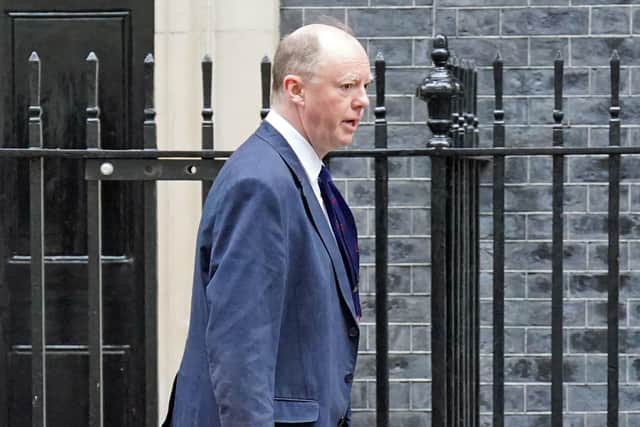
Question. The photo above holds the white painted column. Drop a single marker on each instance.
(236, 34)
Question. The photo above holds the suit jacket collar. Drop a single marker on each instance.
(269, 134)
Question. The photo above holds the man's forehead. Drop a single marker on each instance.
(352, 64)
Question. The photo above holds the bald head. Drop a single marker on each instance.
(303, 51)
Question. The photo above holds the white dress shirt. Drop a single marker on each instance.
(311, 163)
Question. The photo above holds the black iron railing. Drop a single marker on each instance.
(450, 91)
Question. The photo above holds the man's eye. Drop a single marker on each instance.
(348, 86)
(366, 86)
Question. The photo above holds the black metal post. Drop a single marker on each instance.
(94, 248)
(452, 66)
(467, 244)
(475, 263)
(475, 259)
(452, 258)
(557, 285)
(36, 215)
(613, 222)
(439, 89)
(382, 233)
(207, 116)
(498, 250)
(150, 256)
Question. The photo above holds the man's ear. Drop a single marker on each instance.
(294, 88)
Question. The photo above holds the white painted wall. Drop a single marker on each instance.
(236, 34)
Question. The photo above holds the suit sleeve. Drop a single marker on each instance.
(245, 297)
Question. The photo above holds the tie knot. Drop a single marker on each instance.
(325, 176)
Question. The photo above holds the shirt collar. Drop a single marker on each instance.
(311, 163)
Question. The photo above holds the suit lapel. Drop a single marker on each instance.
(277, 141)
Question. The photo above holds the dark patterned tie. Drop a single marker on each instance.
(344, 229)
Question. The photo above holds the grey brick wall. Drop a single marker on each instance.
(528, 34)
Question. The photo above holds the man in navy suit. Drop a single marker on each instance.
(273, 335)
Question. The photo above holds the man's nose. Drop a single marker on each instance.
(362, 100)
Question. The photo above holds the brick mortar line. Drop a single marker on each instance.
(506, 67)
(529, 36)
(467, 7)
(481, 37)
(382, 7)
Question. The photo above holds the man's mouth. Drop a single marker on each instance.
(352, 124)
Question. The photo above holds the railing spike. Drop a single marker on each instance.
(34, 85)
(265, 80)
(207, 125)
(498, 57)
(615, 85)
(93, 111)
(149, 139)
(615, 56)
(380, 110)
(559, 55)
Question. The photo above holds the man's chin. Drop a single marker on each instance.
(345, 141)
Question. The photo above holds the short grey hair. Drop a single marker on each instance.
(299, 53)
(296, 54)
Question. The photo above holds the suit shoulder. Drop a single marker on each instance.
(256, 160)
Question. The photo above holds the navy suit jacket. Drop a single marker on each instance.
(273, 336)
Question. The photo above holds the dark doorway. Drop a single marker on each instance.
(63, 32)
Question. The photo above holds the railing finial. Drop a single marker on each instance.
(381, 110)
(440, 53)
(265, 78)
(149, 132)
(35, 111)
(439, 90)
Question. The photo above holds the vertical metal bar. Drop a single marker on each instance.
(450, 263)
(36, 214)
(381, 209)
(440, 338)
(460, 245)
(207, 116)
(557, 286)
(150, 256)
(462, 123)
(452, 66)
(613, 250)
(94, 247)
(451, 307)
(265, 78)
(458, 250)
(440, 89)
(475, 238)
(467, 247)
(498, 250)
